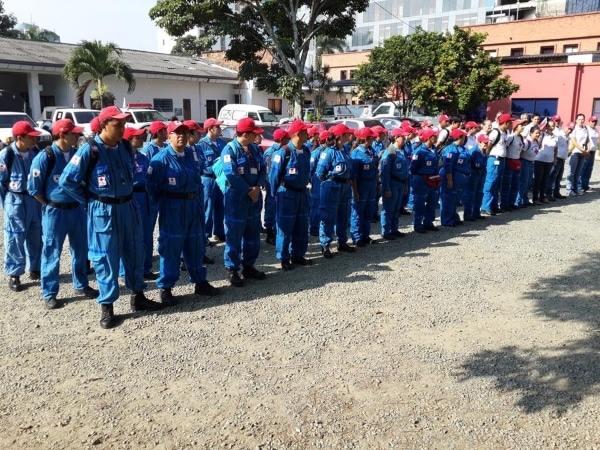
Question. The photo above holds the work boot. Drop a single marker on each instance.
(107, 318)
(301, 261)
(204, 288)
(286, 265)
(234, 278)
(344, 247)
(139, 302)
(34, 275)
(326, 252)
(89, 292)
(253, 272)
(167, 298)
(15, 284)
(52, 303)
(270, 239)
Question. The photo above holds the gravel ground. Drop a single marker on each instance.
(484, 336)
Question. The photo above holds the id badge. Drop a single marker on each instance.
(496, 163)
(292, 171)
(102, 181)
(241, 170)
(253, 170)
(338, 168)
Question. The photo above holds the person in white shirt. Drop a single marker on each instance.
(535, 120)
(580, 143)
(588, 165)
(530, 150)
(471, 128)
(512, 169)
(544, 160)
(556, 174)
(496, 152)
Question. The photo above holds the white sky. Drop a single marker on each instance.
(124, 22)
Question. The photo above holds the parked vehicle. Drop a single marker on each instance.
(356, 123)
(143, 117)
(228, 133)
(328, 113)
(391, 122)
(8, 119)
(232, 113)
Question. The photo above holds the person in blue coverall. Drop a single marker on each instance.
(22, 212)
(473, 193)
(61, 215)
(244, 168)
(101, 176)
(407, 198)
(334, 169)
(393, 174)
(365, 177)
(281, 138)
(455, 173)
(289, 176)
(212, 145)
(380, 143)
(174, 183)
(426, 182)
(314, 214)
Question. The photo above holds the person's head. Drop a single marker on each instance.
(518, 126)
(246, 131)
(325, 137)
(135, 137)
(550, 125)
(213, 128)
(458, 136)
(177, 134)
(486, 126)
(557, 120)
(593, 121)
(483, 141)
(194, 133)
(471, 127)
(25, 135)
(455, 122)
(444, 120)
(569, 128)
(341, 133)
(365, 136)
(158, 131)
(399, 136)
(525, 117)
(112, 125)
(535, 119)
(65, 133)
(534, 132)
(281, 136)
(580, 120)
(298, 132)
(379, 133)
(429, 137)
(505, 121)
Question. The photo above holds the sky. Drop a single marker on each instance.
(124, 22)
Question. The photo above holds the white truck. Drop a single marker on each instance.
(8, 119)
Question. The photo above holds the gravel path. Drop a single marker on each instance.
(484, 336)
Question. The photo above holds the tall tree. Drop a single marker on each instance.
(270, 39)
(93, 61)
(35, 33)
(7, 23)
(192, 45)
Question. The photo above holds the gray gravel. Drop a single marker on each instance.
(483, 336)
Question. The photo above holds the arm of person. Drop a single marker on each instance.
(72, 179)
(36, 182)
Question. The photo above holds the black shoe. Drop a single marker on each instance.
(234, 278)
(405, 212)
(34, 275)
(89, 292)
(15, 284)
(206, 260)
(480, 217)
(398, 234)
(389, 237)
(551, 199)
(326, 253)
(107, 317)
(344, 247)
(420, 230)
(139, 302)
(470, 219)
(499, 211)
(167, 298)
(487, 213)
(253, 272)
(88, 267)
(360, 243)
(204, 288)
(286, 265)
(431, 228)
(369, 240)
(301, 261)
(270, 239)
(314, 233)
(52, 303)
(151, 276)
(459, 222)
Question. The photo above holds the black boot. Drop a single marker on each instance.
(167, 298)
(270, 239)
(139, 302)
(107, 318)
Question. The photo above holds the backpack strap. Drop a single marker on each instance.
(51, 160)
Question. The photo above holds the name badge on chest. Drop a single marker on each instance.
(253, 171)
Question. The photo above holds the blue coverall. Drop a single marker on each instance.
(61, 217)
(473, 193)
(315, 192)
(213, 197)
(243, 170)
(270, 200)
(334, 169)
(114, 224)
(150, 150)
(288, 177)
(22, 215)
(394, 176)
(456, 161)
(147, 206)
(174, 183)
(408, 198)
(424, 164)
(365, 170)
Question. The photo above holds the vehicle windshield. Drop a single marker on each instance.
(8, 120)
(267, 116)
(268, 133)
(148, 116)
(85, 116)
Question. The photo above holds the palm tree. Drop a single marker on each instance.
(35, 33)
(96, 60)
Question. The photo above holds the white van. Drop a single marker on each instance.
(231, 114)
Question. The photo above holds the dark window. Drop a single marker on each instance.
(343, 74)
(546, 107)
(547, 50)
(220, 104)
(275, 105)
(163, 104)
(516, 51)
(211, 108)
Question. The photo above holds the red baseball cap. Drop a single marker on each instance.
(505, 118)
(483, 138)
(22, 127)
(364, 133)
(65, 126)
(377, 130)
(339, 129)
(400, 132)
(112, 112)
(429, 133)
(247, 125)
(443, 118)
(456, 133)
(324, 135)
(131, 132)
(94, 125)
(212, 123)
(470, 124)
(571, 126)
(426, 123)
(156, 126)
(296, 126)
(174, 126)
(312, 131)
(519, 122)
(193, 125)
(556, 118)
(593, 119)
(280, 134)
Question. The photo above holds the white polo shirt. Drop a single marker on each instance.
(499, 149)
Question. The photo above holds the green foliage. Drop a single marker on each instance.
(192, 45)
(96, 60)
(319, 83)
(7, 23)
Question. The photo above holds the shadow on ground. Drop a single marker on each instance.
(562, 374)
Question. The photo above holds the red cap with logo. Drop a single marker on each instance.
(175, 126)
(482, 138)
(571, 126)
(443, 118)
(457, 133)
(193, 125)
(247, 125)
(470, 124)
(400, 132)
(65, 126)
(297, 126)
(593, 119)
(132, 132)
(429, 133)
(280, 134)
(556, 118)
(212, 123)
(112, 112)
(364, 133)
(22, 127)
(156, 126)
(505, 118)
(324, 135)
(340, 129)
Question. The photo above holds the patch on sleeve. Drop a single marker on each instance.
(75, 160)
(323, 155)
(226, 158)
(415, 157)
(276, 158)
(35, 173)
(172, 181)
(449, 156)
(2, 167)
(56, 178)
(150, 170)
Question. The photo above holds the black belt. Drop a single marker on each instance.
(339, 179)
(398, 179)
(20, 193)
(58, 205)
(180, 195)
(292, 188)
(111, 200)
(210, 175)
(139, 189)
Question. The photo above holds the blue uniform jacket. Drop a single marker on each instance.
(424, 161)
(112, 176)
(18, 173)
(478, 159)
(364, 163)
(456, 159)
(393, 167)
(297, 170)
(243, 170)
(41, 182)
(140, 170)
(334, 162)
(211, 150)
(151, 149)
(378, 147)
(169, 172)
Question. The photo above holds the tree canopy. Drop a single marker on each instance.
(7, 23)
(438, 71)
(270, 39)
(192, 45)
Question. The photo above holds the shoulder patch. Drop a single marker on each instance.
(323, 155)
(2, 167)
(276, 158)
(227, 158)
(415, 157)
(75, 160)
(35, 173)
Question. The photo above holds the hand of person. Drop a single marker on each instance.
(253, 193)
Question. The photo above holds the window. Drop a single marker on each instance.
(275, 105)
(547, 50)
(516, 51)
(492, 53)
(163, 104)
(362, 36)
(546, 107)
(598, 47)
(570, 48)
(343, 74)
(596, 107)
